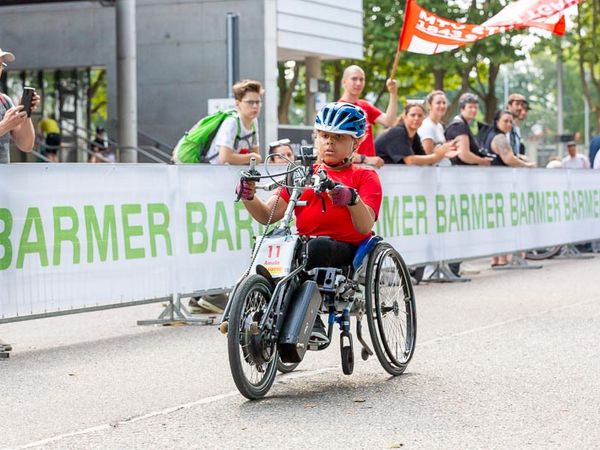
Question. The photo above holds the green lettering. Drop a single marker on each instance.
(131, 231)
(464, 212)
(199, 227)
(476, 211)
(65, 234)
(33, 220)
(514, 209)
(421, 216)
(453, 214)
(221, 229)
(242, 224)
(489, 210)
(108, 233)
(406, 215)
(390, 218)
(7, 220)
(499, 209)
(159, 229)
(440, 213)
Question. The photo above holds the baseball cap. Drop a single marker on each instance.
(516, 98)
(7, 56)
(571, 144)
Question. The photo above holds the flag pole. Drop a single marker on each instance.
(397, 57)
(395, 65)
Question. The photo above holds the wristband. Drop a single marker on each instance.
(362, 158)
(355, 198)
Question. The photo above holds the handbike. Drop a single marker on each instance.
(273, 307)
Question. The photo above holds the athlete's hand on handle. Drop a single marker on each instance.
(343, 195)
(245, 189)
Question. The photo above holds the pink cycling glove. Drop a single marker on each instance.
(343, 195)
(244, 190)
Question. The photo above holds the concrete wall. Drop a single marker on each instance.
(329, 29)
(181, 49)
(181, 52)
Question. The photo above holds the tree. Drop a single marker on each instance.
(587, 41)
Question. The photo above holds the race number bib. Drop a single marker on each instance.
(276, 254)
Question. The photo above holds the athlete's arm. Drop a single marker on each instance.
(261, 210)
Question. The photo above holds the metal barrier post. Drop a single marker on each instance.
(569, 251)
(517, 262)
(443, 274)
(176, 313)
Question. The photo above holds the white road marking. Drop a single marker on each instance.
(282, 379)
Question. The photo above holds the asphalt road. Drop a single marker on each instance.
(509, 360)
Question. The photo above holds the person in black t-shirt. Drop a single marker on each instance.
(468, 147)
(402, 145)
(497, 142)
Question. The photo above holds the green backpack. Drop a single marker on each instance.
(195, 143)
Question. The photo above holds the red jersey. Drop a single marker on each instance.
(336, 221)
(367, 147)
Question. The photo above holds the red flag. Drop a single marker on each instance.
(424, 32)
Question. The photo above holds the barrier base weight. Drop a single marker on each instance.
(442, 274)
(569, 251)
(177, 314)
(517, 262)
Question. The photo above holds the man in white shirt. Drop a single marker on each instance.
(574, 160)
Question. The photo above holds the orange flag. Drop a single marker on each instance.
(424, 32)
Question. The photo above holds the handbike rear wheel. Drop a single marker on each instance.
(390, 308)
(252, 357)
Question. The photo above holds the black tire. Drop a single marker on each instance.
(390, 308)
(543, 253)
(253, 364)
(286, 367)
(347, 360)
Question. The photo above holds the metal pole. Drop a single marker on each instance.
(126, 80)
(506, 86)
(559, 102)
(233, 66)
(586, 123)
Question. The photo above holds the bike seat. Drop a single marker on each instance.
(364, 249)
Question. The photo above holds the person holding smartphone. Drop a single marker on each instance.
(14, 120)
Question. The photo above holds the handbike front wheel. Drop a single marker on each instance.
(252, 356)
(284, 367)
(390, 308)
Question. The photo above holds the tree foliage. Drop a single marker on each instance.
(587, 40)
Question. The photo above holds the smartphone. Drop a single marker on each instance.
(27, 98)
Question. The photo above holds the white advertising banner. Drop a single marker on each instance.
(76, 236)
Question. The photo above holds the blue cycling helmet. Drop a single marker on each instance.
(342, 118)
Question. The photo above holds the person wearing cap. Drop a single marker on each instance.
(459, 130)
(14, 123)
(574, 160)
(519, 107)
(281, 147)
(353, 83)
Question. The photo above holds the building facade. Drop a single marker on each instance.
(181, 50)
